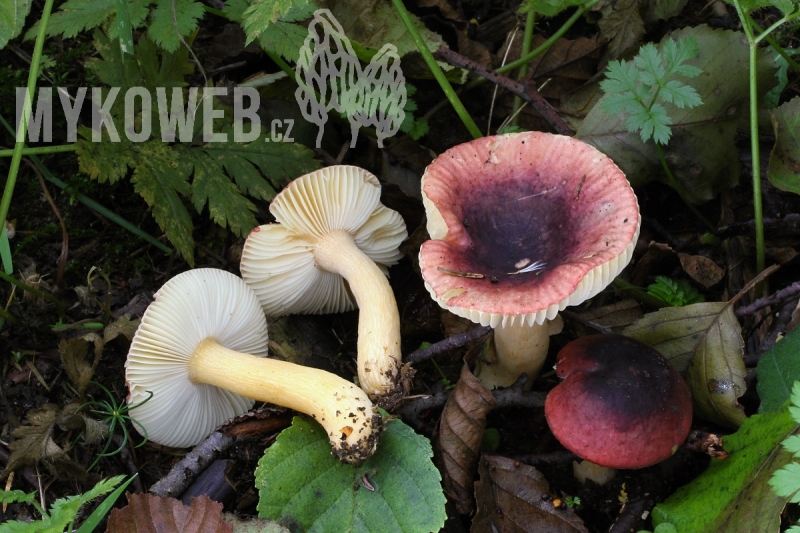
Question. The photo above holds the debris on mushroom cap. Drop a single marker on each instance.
(192, 306)
(545, 220)
(278, 262)
(621, 404)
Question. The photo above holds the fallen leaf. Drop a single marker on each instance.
(253, 525)
(784, 162)
(701, 269)
(146, 513)
(461, 431)
(778, 368)
(615, 316)
(121, 326)
(704, 342)
(514, 497)
(73, 357)
(621, 25)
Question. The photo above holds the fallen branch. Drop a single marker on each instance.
(779, 297)
(526, 91)
(192, 465)
(450, 343)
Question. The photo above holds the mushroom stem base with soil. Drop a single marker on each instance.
(348, 416)
(519, 349)
(379, 354)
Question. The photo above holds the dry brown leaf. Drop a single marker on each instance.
(514, 497)
(701, 269)
(654, 257)
(146, 513)
(460, 435)
(445, 8)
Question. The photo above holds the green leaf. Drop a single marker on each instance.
(376, 23)
(777, 369)
(159, 180)
(784, 161)
(786, 482)
(75, 16)
(734, 495)
(12, 19)
(226, 205)
(398, 489)
(162, 29)
(702, 152)
(13, 496)
(262, 13)
(63, 510)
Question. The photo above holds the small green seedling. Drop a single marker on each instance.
(676, 293)
(572, 501)
(639, 87)
(786, 481)
(114, 414)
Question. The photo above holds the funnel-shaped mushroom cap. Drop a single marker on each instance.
(189, 308)
(621, 404)
(524, 225)
(278, 260)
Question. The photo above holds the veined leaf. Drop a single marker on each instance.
(396, 490)
(158, 179)
(734, 495)
(778, 368)
(784, 162)
(262, 13)
(12, 19)
(705, 341)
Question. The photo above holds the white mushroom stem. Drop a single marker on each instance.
(520, 349)
(379, 354)
(343, 409)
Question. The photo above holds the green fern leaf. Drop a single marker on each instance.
(161, 180)
(263, 13)
(162, 27)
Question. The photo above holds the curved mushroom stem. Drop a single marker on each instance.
(348, 416)
(520, 349)
(379, 354)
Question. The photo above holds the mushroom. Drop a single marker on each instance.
(200, 349)
(333, 242)
(522, 226)
(621, 404)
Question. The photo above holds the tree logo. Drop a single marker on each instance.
(329, 76)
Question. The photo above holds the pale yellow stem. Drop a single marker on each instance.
(343, 409)
(519, 349)
(379, 354)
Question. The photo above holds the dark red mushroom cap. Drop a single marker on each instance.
(621, 404)
(523, 225)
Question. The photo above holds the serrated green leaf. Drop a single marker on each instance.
(786, 482)
(263, 13)
(162, 29)
(75, 16)
(226, 205)
(734, 495)
(397, 490)
(12, 19)
(104, 161)
(280, 162)
(777, 370)
(13, 496)
(159, 180)
(680, 94)
(650, 62)
(784, 161)
(792, 444)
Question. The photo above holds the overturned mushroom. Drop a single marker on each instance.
(522, 226)
(333, 242)
(200, 349)
(621, 404)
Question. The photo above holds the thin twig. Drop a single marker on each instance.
(526, 91)
(777, 298)
(193, 464)
(62, 260)
(456, 341)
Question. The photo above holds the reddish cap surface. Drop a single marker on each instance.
(621, 404)
(523, 225)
